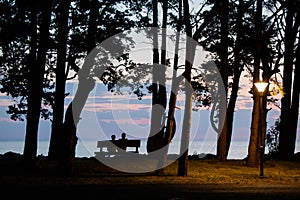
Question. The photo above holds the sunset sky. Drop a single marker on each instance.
(105, 113)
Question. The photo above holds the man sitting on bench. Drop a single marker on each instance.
(122, 143)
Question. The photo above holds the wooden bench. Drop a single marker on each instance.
(116, 147)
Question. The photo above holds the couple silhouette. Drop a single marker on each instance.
(121, 144)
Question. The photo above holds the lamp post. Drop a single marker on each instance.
(261, 86)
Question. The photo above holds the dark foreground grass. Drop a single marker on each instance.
(207, 179)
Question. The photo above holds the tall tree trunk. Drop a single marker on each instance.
(155, 139)
(231, 107)
(30, 138)
(286, 138)
(253, 151)
(72, 116)
(190, 54)
(236, 74)
(295, 102)
(164, 32)
(162, 93)
(58, 107)
(222, 139)
(86, 84)
(36, 87)
(171, 123)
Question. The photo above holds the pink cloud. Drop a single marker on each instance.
(118, 97)
(8, 120)
(5, 102)
(98, 107)
(141, 121)
(274, 116)
(244, 103)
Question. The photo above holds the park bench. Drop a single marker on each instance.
(105, 147)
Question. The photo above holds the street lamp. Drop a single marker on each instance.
(261, 86)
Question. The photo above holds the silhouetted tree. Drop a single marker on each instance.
(272, 139)
(223, 137)
(113, 21)
(190, 54)
(170, 128)
(240, 59)
(267, 56)
(290, 99)
(60, 72)
(16, 48)
(36, 86)
(154, 141)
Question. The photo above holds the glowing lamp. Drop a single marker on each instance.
(261, 86)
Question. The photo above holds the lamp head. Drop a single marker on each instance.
(261, 86)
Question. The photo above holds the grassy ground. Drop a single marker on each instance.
(215, 172)
(91, 171)
(207, 179)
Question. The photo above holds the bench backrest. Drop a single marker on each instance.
(130, 143)
(127, 143)
(119, 143)
(104, 143)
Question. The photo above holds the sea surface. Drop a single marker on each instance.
(238, 149)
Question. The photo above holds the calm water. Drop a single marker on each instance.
(238, 149)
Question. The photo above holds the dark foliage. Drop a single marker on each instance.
(272, 139)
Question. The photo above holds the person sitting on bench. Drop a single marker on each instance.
(122, 143)
(112, 148)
